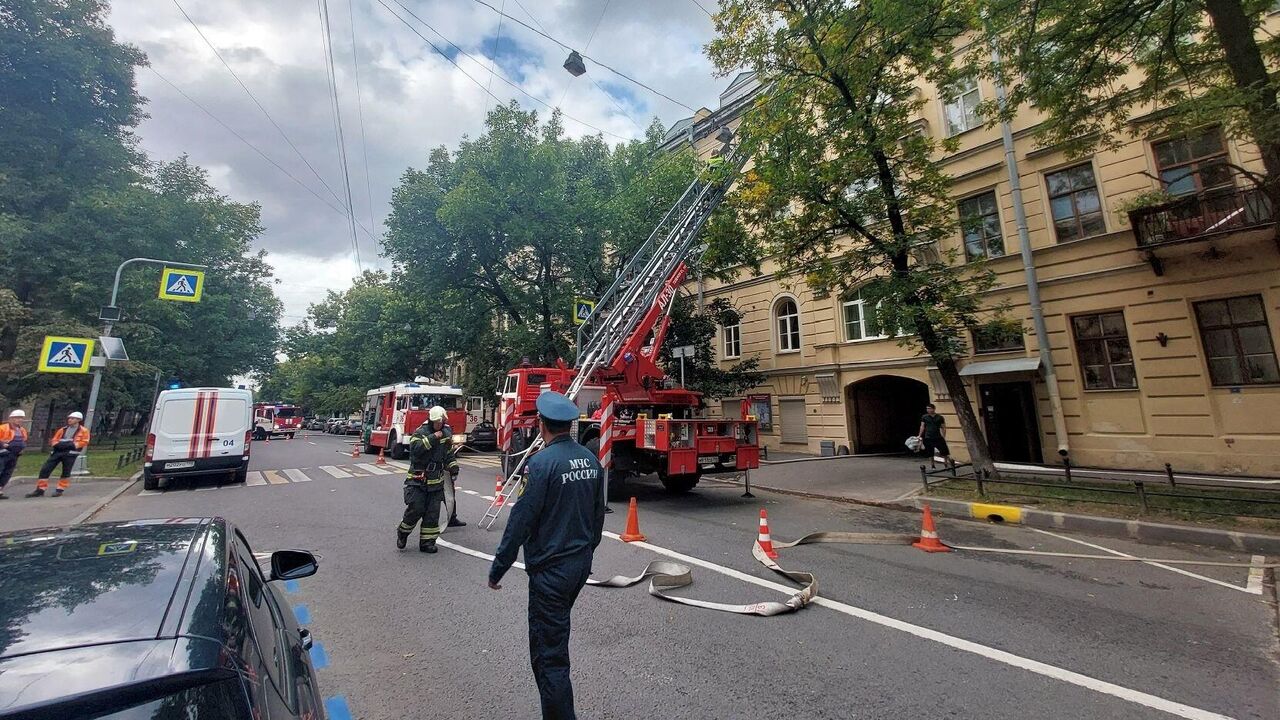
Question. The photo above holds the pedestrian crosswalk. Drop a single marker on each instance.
(256, 478)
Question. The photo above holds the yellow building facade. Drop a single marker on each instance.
(1162, 336)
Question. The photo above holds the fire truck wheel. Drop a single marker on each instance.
(398, 450)
(679, 483)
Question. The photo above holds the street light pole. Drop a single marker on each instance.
(82, 462)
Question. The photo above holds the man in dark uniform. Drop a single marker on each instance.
(430, 456)
(558, 520)
(932, 434)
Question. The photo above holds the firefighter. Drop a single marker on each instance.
(558, 521)
(429, 458)
(68, 442)
(13, 440)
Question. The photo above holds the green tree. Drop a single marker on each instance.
(1087, 64)
(844, 188)
(699, 329)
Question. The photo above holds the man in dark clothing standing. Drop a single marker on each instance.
(932, 433)
(430, 456)
(558, 521)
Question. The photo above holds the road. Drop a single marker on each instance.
(897, 634)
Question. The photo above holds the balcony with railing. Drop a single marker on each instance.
(1200, 216)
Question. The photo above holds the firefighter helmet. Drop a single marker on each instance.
(436, 414)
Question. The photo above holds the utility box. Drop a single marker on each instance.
(827, 448)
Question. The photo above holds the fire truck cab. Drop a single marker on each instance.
(393, 412)
(271, 418)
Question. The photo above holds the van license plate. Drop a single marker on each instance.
(179, 465)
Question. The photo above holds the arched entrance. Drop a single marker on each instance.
(884, 411)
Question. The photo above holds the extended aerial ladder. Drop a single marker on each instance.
(636, 306)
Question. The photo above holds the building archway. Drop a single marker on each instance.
(884, 411)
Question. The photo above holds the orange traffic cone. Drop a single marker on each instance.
(766, 542)
(929, 541)
(355, 450)
(497, 492)
(632, 533)
(381, 460)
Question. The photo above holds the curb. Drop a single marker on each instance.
(886, 504)
(124, 486)
(1140, 530)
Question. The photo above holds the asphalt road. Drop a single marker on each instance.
(898, 634)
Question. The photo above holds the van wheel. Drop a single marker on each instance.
(149, 481)
(242, 474)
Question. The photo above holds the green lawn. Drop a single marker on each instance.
(102, 459)
(1222, 507)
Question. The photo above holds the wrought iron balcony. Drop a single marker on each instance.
(1202, 215)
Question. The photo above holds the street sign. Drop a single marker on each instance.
(109, 313)
(181, 284)
(65, 354)
(684, 351)
(582, 309)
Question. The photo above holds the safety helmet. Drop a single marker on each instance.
(17, 415)
(436, 414)
(77, 415)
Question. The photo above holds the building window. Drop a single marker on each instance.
(1193, 164)
(860, 321)
(788, 325)
(732, 340)
(998, 336)
(960, 111)
(1102, 345)
(1237, 341)
(980, 223)
(1077, 208)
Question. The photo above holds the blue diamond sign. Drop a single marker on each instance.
(65, 354)
(181, 285)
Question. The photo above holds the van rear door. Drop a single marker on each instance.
(205, 424)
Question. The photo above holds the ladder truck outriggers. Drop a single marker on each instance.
(634, 417)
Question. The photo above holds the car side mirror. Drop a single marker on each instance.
(293, 564)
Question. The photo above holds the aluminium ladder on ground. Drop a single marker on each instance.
(620, 310)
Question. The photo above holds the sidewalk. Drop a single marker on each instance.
(86, 493)
(874, 479)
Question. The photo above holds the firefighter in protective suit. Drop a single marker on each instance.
(431, 455)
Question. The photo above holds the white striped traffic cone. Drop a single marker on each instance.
(766, 543)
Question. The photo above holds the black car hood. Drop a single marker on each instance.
(90, 585)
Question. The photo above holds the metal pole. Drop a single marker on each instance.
(81, 466)
(1029, 269)
(681, 370)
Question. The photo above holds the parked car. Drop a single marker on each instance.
(332, 424)
(198, 431)
(163, 619)
(316, 423)
(353, 427)
(483, 436)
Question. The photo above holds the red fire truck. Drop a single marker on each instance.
(273, 418)
(393, 412)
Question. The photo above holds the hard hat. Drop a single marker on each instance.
(77, 415)
(436, 414)
(17, 414)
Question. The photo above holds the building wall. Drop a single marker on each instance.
(1175, 415)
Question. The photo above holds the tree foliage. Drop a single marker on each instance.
(700, 329)
(844, 188)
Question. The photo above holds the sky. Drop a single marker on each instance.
(411, 99)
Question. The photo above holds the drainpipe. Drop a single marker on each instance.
(1029, 268)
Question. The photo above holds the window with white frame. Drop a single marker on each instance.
(732, 335)
(861, 321)
(960, 111)
(788, 318)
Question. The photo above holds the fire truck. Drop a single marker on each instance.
(393, 412)
(646, 423)
(273, 418)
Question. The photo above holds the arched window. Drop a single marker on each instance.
(788, 317)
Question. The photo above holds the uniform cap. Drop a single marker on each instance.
(556, 407)
(17, 414)
(77, 415)
(435, 414)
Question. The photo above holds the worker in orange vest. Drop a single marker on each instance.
(13, 440)
(68, 442)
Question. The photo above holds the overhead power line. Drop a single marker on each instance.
(364, 146)
(564, 45)
(341, 139)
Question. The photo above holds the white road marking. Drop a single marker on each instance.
(399, 465)
(274, 478)
(310, 443)
(297, 475)
(150, 492)
(374, 468)
(335, 471)
(1254, 584)
(1051, 671)
(471, 492)
(207, 488)
(254, 478)
(1152, 563)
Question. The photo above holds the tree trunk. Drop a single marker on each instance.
(974, 439)
(1249, 72)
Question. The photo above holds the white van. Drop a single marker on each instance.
(198, 431)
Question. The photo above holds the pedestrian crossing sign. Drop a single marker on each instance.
(65, 354)
(582, 309)
(181, 285)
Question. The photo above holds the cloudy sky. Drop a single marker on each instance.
(412, 98)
